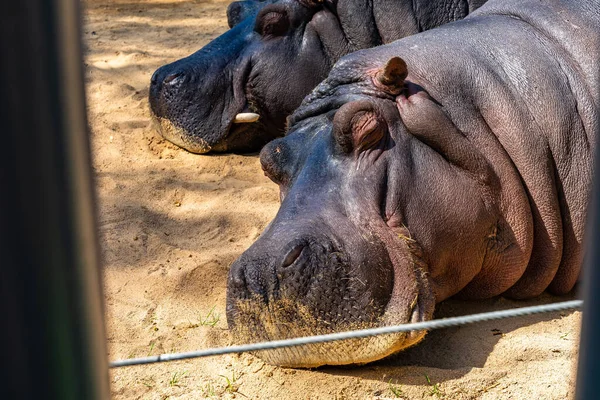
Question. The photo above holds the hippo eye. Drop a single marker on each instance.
(272, 23)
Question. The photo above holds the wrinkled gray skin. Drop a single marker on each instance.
(454, 162)
(274, 54)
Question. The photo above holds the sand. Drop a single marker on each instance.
(171, 223)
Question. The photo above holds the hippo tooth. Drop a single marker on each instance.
(243, 118)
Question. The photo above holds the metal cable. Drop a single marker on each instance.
(418, 326)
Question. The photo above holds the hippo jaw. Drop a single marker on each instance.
(178, 135)
(251, 319)
(245, 133)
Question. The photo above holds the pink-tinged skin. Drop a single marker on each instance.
(454, 163)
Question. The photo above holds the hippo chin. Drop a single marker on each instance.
(454, 162)
(235, 93)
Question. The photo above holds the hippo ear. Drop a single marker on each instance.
(393, 74)
(358, 127)
(240, 10)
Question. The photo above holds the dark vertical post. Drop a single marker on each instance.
(51, 329)
(588, 370)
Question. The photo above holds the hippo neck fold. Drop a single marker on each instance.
(514, 101)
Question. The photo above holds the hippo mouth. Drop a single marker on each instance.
(240, 129)
(286, 318)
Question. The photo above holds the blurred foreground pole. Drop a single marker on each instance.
(588, 369)
(51, 317)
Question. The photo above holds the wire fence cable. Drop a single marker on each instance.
(363, 333)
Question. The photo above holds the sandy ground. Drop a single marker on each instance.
(172, 222)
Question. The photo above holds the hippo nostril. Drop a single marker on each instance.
(172, 79)
(292, 256)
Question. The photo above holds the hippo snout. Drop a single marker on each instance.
(315, 284)
(181, 109)
(297, 271)
(238, 270)
(166, 83)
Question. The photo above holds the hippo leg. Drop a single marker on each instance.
(572, 257)
(574, 192)
(331, 35)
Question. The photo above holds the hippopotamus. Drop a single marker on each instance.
(456, 162)
(235, 93)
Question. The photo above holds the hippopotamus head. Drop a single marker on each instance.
(364, 236)
(216, 99)
(337, 256)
